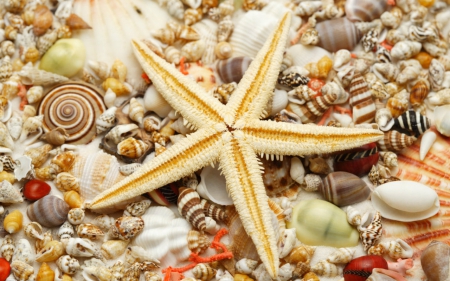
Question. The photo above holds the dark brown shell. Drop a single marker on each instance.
(49, 211)
(343, 189)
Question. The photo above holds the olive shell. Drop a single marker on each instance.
(343, 189)
(49, 211)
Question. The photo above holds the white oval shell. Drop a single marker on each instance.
(405, 201)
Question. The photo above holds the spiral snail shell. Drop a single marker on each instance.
(73, 106)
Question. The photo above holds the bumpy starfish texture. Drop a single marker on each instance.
(232, 134)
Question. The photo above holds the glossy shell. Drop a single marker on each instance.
(73, 106)
(36, 189)
(337, 34)
(417, 202)
(321, 223)
(435, 261)
(342, 189)
(359, 269)
(49, 211)
(357, 161)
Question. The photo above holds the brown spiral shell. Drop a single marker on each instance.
(73, 106)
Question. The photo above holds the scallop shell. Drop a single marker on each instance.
(365, 10)
(9, 194)
(32, 76)
(96, 173)
(420, 201)
(73, 106)
(337, 34)
(49, 211)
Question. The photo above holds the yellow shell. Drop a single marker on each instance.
(302, 253)
(64, 161)
(321, 68)
(119, 71)
(13, 222)
(31, 55)
(66, 182)
(116, 86)
(73, 199)
(45, 273)
(51, 251)
(242, 277)
(7, 176)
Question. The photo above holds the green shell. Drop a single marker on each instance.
(66, 57)
(320, 223)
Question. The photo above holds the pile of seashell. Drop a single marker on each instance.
(77, 116)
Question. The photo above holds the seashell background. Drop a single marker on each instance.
(114, 23)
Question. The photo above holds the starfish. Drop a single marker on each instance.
(232, 135)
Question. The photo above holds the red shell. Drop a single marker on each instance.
(360, 269)
(357, 161)
(5, 269)
(36, 189)
(316, 84)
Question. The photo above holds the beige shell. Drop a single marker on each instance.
(7, 247)
(223, 50)
(28, 111)
(5, 138)
(22, 271)
(101, 273)
(137, 209)
(385, 71)
(81, 247)
(172, 54)
(106, 120)
(114, 248)
(405, 49)
(67, 264)
(88, 230)
(67, 182)
(398, 248)
(51, 251)
(39, 244)
(175, 8)
(34, 230)
(197, 242)
(128, 169)
(121, 132)
(76, 216)
(105, 222)
(302, 253)
(246, 266)
(324, 268)
(132, 148)
(66, 231)
(192, 16)
(35, 94)
(39, 155)
(31, 125)
(204, 271)
(136, 111)
(33, 76)
(389, 158)
(224, 29)
(45, 41)
(342, 255)
(193, 51)
(9, 193)
(56, 137)
(119, 70)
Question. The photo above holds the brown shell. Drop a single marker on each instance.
(43, 19)
(419, 92)
(128, 227)
(190, 208)
(394, 141)
(57, 136)
(75, 22)
(338, 34)
(276, 175)
(343, 189)
(435, 260)
(49, 211)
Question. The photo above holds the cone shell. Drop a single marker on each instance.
(50, 211)
(190, 207)
(342, 189)
(45, 273)
(365, 10)
(9, 193)
(337, 34)
(38, 155)
(361, 100)
(395, 141)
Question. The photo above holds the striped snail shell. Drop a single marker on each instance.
(73, 106)
(337, 34)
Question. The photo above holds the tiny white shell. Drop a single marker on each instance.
(417, 201)
(153, 101)
(441, 117)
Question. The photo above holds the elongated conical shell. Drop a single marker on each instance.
(394, 141)
(190, 207)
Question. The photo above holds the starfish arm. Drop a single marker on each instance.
(197, 150)
(246, 188)
(184, 95)
(255, 89)
(281, 138)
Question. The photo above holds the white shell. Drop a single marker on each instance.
(417, 201)
(106, 120)
(136, 111)
(121, 132)
(287, 242)
(5, 138)
(35, 94)
(68, 264)
(246, 266)
(33, 76)
(23, 251)
(442, 119)
(428, 139)
(14, 126)
(279, 101)
(303, 55)
(109, 98)
(9, 193)
(154, 101)
(207, 29)
(213, 186)
(80, 247)
(297, 171)
(33, 230)
(405, 49)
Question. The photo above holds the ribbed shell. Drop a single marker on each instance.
(73, 106)
(190, 208)
(338, 34)
(394, 141)
(50, 211)
(365, 10)
(212, 210)
(361, 100)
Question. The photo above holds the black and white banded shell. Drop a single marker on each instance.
(412, 123)
(73, 106)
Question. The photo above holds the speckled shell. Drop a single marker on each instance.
(276, 176)
(38, 155)
(364, 10)
(342, 189)
(22, 271)
(49, 211)
(7, 247)
(189, 207)
(76, 216)
(23, 251)
(127, 227)
(73, 106)
(419, 201)
(68, 264)
(66, 231)
(81, 247)
(90, 231)
(137, 209)
(371, 234)
(338, 34)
